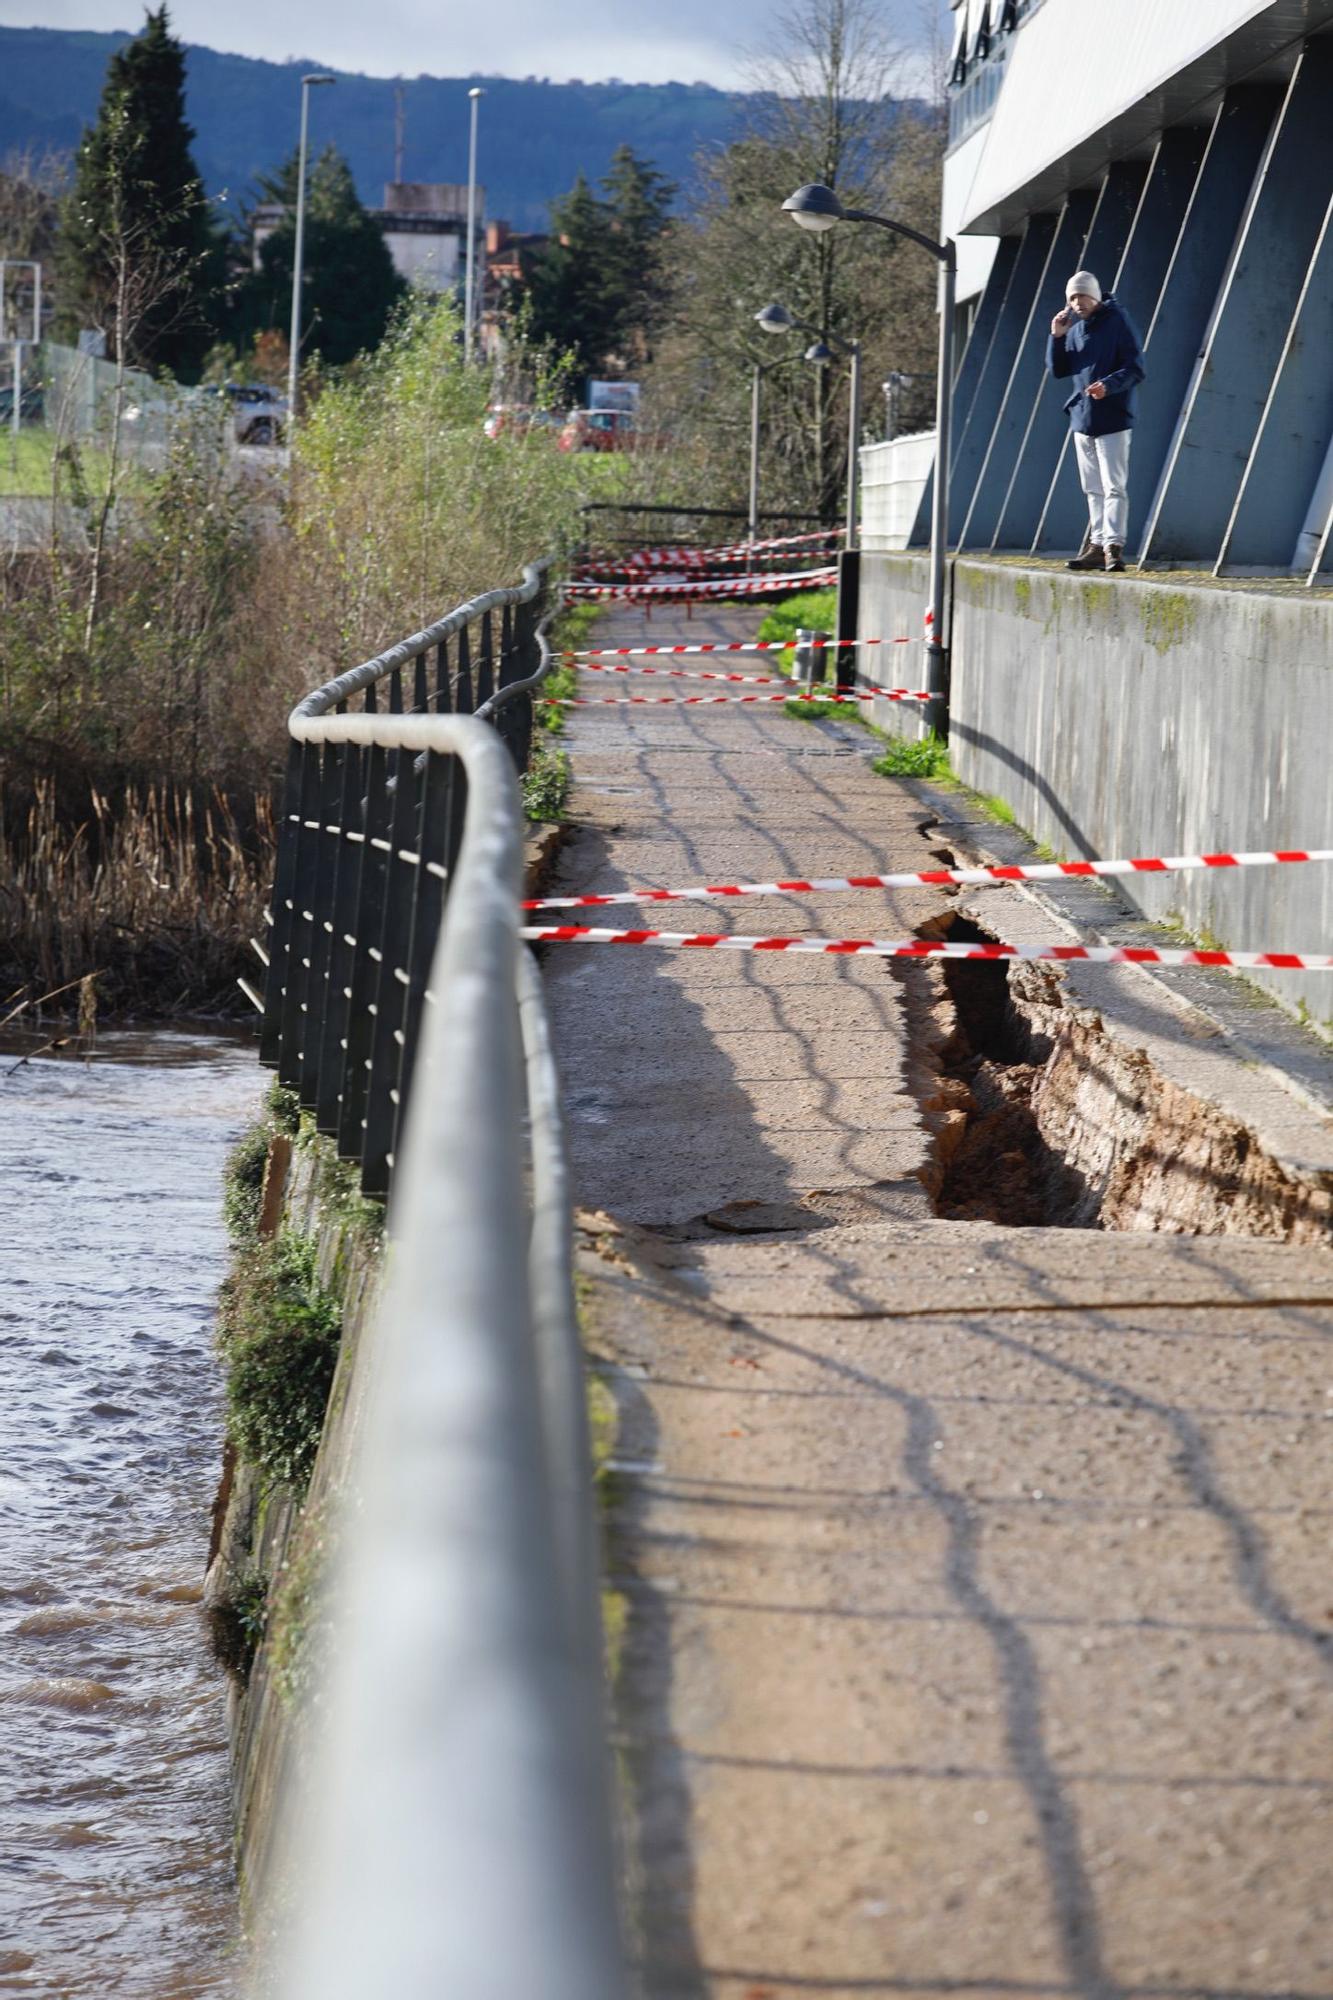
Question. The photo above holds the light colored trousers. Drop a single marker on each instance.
(1103, 473)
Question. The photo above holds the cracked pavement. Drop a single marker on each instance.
(973, 1607)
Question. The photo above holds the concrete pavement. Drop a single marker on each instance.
(973, 1619)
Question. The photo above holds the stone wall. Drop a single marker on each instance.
(1127, 715)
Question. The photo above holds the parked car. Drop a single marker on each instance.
(599, 430)
(513, 419)
(259, 413)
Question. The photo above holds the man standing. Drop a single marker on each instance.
(1093, 342)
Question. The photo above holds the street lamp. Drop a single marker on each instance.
(475, 93)
(817, 208)
(761, 368)
(294, 352)
(776, 319)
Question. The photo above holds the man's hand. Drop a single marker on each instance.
(1096, 390)
(1062, 322)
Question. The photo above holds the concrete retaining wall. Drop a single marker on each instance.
(1123, 716)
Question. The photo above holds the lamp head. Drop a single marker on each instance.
(814, 206)
(476, 91)
(773, 319)
(819, 352)
(318, 76)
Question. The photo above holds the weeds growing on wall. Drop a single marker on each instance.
(279, 1328)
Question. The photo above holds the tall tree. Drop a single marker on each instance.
(349, 286)
(598, 287)
(827, 108)
(136, 184)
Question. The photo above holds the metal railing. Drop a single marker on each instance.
(454, 1836)
(613, 525)
(369, 836)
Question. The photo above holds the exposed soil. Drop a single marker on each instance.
(1050, 1120)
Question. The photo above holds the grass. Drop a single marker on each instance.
(809, 610)
(25, 464)
(920, 757)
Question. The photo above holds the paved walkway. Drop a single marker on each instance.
(977, 1608)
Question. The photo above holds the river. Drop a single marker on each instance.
(115, 1844)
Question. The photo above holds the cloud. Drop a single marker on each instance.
(626, 38)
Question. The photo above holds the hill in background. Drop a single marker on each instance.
(535, 136)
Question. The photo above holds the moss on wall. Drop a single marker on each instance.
(1168, 617)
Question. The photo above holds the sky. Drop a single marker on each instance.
(642, 41)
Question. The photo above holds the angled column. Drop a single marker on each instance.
(1189, 292)
(1244, 345)
(1066, 254)
(1138, 284)
(1048, 427)
(1294, 432)
(1012, 318)
(970, 369)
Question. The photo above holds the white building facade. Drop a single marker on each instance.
(1186, 156)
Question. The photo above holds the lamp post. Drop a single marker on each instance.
(474, 94)
(776, 319)
(294, 352)
(817, 207)
(761, 368)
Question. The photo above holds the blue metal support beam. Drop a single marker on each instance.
(970, 369)
(1189, 292)
(1245, 339)
(1294, 432)
(1048, 428)
(1138, 284)
(1024, 278)
(1066, 255)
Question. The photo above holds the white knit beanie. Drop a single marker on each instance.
(1083, 281)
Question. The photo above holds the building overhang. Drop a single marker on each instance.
(1040, 145)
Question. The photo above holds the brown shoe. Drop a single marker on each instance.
(1090, 556)
(1115, 556)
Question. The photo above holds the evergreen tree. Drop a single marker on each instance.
(139, 255)
(638, 200)
(598, 286)
(348, 283)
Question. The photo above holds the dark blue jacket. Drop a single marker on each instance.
(1104, 348)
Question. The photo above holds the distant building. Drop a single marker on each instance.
(510, 257)
(425, 227)
(424, 224)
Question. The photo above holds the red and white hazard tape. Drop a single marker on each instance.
(736, 586)
(1037, 871)
(722, 646)
(686, 674)
(685, 558)
(1092, 954)
(794, 682)
(796, 693)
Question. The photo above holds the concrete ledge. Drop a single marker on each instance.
(1124, 715)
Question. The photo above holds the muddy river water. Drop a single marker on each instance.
(115, 1866)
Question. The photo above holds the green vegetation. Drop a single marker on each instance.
(546, 783)
(349, 287)
(279, 1329)
(1168, 616)
(237, 1622)
(243, 1183)
(919, 757)
(138, 252)
(597, 287)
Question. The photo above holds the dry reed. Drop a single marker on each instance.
(155, 896)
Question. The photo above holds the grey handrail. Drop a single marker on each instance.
(357, 679)
(455, 1842)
